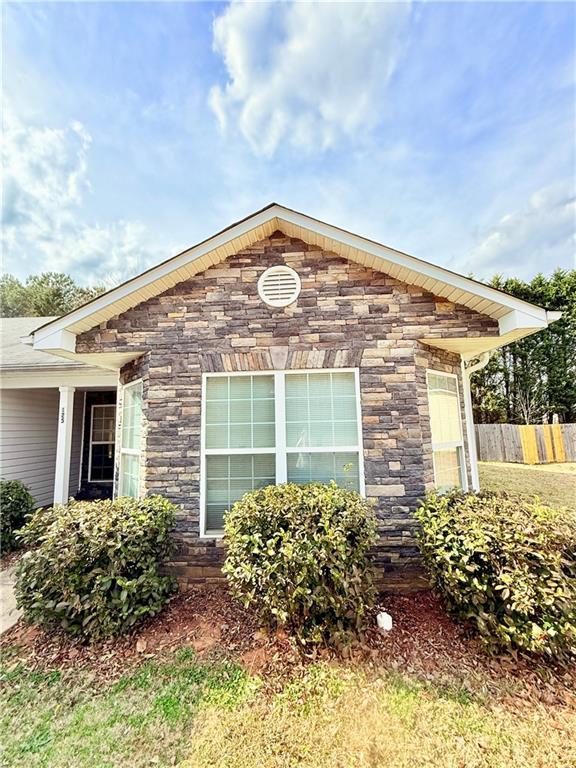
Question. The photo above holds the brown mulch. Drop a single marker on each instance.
(424, 643)
(8, 559)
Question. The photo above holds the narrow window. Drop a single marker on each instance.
(102, 438)
(446, 428)
(130, 444)
(271, 428)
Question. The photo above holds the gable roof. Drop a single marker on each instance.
(514, 315)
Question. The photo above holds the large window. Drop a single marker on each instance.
(102, 437)
(446, 427)
(130, 442)
(260, 429)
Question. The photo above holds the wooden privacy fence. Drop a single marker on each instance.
(526, 443)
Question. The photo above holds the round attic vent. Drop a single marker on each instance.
(279, 286)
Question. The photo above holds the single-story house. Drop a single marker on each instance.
(280, 349)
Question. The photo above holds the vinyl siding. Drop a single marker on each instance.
(28, 433)
(76, 447)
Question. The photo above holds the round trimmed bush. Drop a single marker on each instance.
(298, 556)
(16, 502)
(506, 566)
(94, 567)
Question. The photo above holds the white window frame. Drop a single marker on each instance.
(280, 451)
(127, 451)
(100, 442)
(454, 443)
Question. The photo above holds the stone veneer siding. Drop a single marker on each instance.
(346, 316)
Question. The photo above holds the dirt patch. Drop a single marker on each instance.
(424, 642)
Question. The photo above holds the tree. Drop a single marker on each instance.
(13, 298)
(51, 293)
(535, 377)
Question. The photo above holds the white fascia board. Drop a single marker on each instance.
(53, 340)
(275, 214)
(157, 273)
(516, 320)
(410, 262)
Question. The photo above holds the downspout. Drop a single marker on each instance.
(468, 369)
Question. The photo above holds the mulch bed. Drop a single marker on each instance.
(424, 643)
(8, 559)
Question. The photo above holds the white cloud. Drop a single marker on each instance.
(537, 237)
(45, 179)
(307, 73)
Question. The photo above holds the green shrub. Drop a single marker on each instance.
(506, 565)
(297, 556)
(93, 567)
(16, 502)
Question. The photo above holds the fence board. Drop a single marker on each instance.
(526, 444)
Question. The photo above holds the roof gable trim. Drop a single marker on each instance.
(258, 226)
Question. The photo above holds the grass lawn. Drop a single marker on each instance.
(555, 484)
(197, 714)
(64, 718)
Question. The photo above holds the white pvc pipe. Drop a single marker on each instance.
(469, 413)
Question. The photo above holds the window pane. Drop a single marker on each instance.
(343, 384)
(263, 435)
(102, 464)
(297, 385)
(345, 433)
(129, 475)
(447, 469)
(217, 388)
(343, 468)
(241, 436)
(217, 436)
(217, 412)
(444, 417)
(321, 434)
(228, 478)
(321, 410)
(263, 387)
(103, 423)
(240, 412)
(132, 417)
(240, 387)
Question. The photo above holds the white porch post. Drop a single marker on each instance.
(63, 445)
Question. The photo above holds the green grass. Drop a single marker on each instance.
(180, 711)
(350, 718)
(62, 718)
(555, 484)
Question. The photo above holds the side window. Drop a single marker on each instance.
(130, 442)
(446, 427)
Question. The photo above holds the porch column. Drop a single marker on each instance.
(63, 445)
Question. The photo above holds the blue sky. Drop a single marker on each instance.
(133, 130)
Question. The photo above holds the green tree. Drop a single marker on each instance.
(13, 297)
(535, 377)
(51, 293)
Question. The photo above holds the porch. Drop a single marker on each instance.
(59, 441)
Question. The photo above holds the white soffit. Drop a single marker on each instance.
(408, 269)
